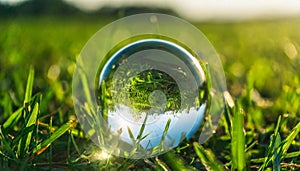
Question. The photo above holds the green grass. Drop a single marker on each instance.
(259, 129)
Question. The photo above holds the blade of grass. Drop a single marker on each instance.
(161, 143)
(130, 134)
(22, 146)
(21, 134)
(166, 129)
(238, 140)
(134, 141)
(26, 128)
(287, 156)
(271, 147)
(161, 164)
(50, 156)
(290, 138)
(161, 146)
(29, 85)
(25, 141)
(228, 113)
(175, 162)
(32, 121)
(86, 89)
(104, 101)
(58, 133)
(74, 143)
(208, 158)
(277, 156)
(277, 150)
(13, 119)
(142, 129)
(293, 154)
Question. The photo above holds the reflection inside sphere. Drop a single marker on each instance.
(152, 93)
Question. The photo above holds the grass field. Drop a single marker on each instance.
(258, 131)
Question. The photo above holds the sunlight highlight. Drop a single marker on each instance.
(101, 155)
